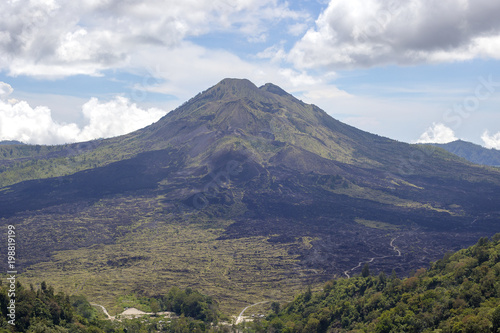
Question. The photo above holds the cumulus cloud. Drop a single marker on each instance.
(20, 121)
(354, 33)
(116, 117)
(491, 141)
(437, 133)
(56, 38)
(32, 125)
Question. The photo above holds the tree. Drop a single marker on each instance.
(365, 272)
(312, 325)
(308, 294)
(495, 319)
(384, 323)
(382, 279)
(155, 306)
(275, 306)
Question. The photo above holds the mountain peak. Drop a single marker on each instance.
(236, 83)
(230, 88)
(274, 89)
(263, 119)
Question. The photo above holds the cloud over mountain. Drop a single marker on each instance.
(491, 141)
(437, 133)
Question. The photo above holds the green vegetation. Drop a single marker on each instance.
(458, 294)
(12, 152)
(472, 152)
(26, 162)
(377, 224)
(44, 311)
(189, 303)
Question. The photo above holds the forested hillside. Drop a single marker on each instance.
(472, 152)
(45, 311)
(459, 293)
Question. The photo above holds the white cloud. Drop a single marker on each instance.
(60, 38)
(20, 121)
(212, 66)
(31, 125)
(115, 117)
(491, 141)
(326, 93)
(437, 133)
(359, 33)
(275, 53)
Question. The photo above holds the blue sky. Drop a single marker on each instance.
(412, 71)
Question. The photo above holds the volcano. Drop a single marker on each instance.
(239, 190)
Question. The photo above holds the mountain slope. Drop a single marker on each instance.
(241, 186)
(472, 152)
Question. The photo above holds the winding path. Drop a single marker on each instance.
(104, 310)
(394, 248)
(240, 317)
(132, 313)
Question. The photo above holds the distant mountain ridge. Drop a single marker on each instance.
(245, 192)
(11, 142)
(472, 152)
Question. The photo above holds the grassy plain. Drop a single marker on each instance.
(157, 256)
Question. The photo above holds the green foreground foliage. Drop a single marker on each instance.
(459, 293)
(43, 311)
(189, 303)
